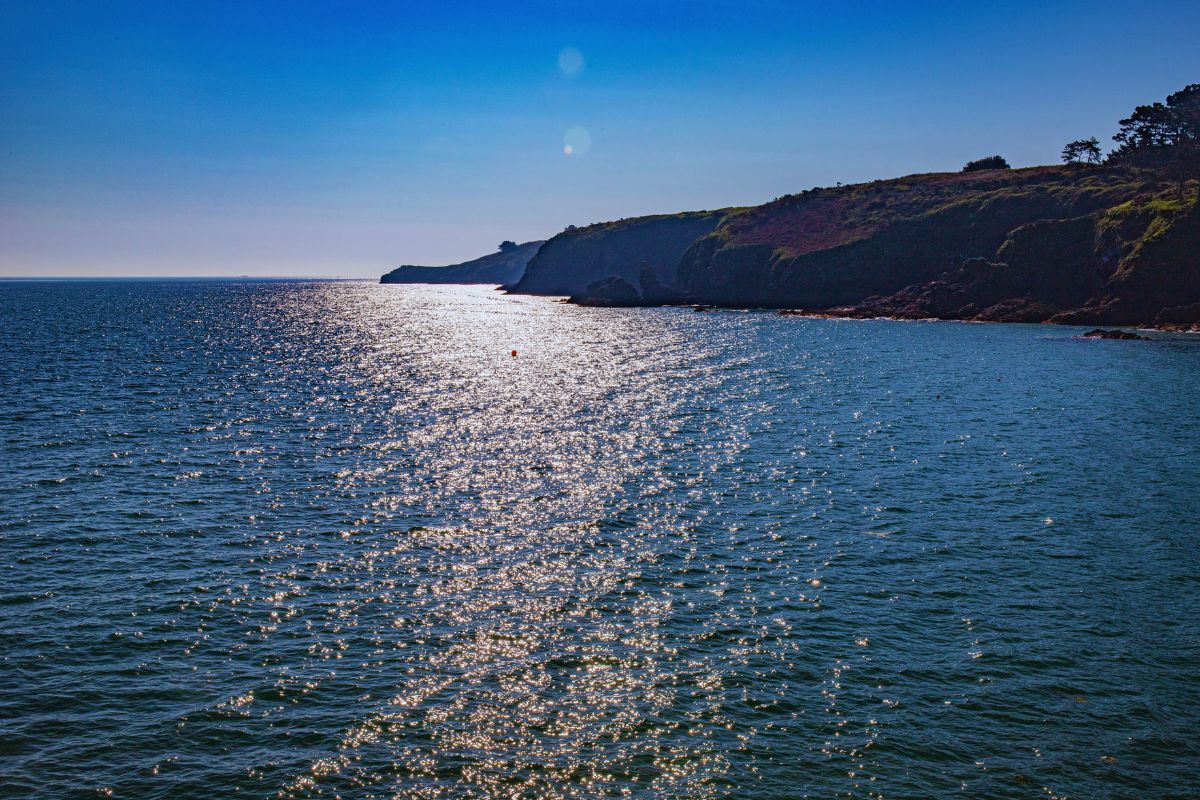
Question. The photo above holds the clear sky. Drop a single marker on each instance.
(343, 138)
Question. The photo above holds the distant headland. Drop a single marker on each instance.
(504, 267)
(1097, 240)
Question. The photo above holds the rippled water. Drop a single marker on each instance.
(332, 539)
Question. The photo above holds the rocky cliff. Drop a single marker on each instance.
(1070, 244)
(833, 247)
(1135, 263)
(505, 267)
(629, 252)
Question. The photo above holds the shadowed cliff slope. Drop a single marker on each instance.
(625, 250)
(1155, 244)
(833, 247)
(1070, 244)
(1135, 263)
(1087, 245)
(504, 267)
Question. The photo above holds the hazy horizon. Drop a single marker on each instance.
(214, 140)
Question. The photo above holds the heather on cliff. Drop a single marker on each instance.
(1073, 244)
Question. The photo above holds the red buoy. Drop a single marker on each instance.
(514, 353)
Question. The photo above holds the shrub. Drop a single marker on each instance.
(991, 162)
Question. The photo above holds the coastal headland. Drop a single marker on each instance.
(1112, 241)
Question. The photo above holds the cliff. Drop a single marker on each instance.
(1069, 244)
(630, 251)
(833, 247)
(1154, 248)
(1135, 263)
(505, 267)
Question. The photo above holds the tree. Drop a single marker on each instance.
(507, 246)
(1082, 151)
(991, 162)
(1164, 135)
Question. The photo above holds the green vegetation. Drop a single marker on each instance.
(1163, 136)
(991, 162)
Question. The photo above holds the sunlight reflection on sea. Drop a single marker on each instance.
(333, 539)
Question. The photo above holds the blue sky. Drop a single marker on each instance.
(344, 138)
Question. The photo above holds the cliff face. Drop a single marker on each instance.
(1089, 246)
(505, 267)
(1154, 248)
(630, 250)
(834, 247)
(1136, 263)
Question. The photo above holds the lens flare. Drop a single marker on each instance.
(570, 61)
(577, 141)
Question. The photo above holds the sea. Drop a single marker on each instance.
(332, 539)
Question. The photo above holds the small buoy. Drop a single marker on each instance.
(514, 353)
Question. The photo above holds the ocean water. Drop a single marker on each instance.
(305, 539)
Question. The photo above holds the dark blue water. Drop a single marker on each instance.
(333, 540)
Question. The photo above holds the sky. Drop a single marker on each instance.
(340, 139)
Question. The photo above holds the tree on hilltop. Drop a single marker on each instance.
(991, 162)
(507, 246)
(1164, 135)
(1082, 151)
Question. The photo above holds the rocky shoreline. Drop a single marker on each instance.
(1100, 333)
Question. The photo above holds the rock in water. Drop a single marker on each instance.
(612, 291)
(1100, 333)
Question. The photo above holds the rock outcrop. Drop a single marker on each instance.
(1150, 249)
(1100, 333)
(613, 291)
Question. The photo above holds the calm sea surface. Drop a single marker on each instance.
(333, 540)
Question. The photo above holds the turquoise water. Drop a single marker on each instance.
(333, 540)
